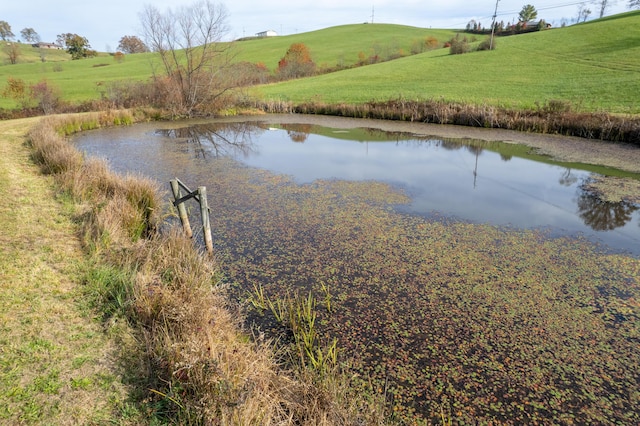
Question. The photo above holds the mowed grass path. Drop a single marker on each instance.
(57, 365)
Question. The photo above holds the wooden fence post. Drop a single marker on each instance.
(204, 210)
(182, 210)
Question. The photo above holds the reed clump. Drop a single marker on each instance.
(197, 366)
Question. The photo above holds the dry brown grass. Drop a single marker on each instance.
(199, 366)
(52, 152)
(554, 117)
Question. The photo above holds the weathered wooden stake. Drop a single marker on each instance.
(204, 210)
(182, 210)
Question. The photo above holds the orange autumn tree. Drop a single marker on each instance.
(296, 62)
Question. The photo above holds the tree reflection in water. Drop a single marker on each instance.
(235, 140)
(603, 215)
(298, 132)
(567, 178)
(218, 139)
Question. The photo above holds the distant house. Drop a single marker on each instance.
(535, 24)
(268, 33)
(44, 45)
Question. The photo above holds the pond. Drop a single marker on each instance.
(470, 278)
(477, 181)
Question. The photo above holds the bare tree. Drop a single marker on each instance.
(29, 35)
(583, 12)
(603, 5)
(634, 4)
(12, 50)
(189, 43)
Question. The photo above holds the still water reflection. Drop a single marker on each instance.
(470, 180)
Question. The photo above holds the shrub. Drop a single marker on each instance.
(362, 57)
(553, 106)
(45, 96)
(486, 44)
(296, 62)
(16, 89)
(248, 74)
(426, 44)
(417, 46)
(459, 46)
(431, 43)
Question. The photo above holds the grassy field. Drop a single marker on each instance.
(340, 46)
(86, 79)
(593, 65)
(30, 54)
(79, 80)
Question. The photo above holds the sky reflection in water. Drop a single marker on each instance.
(452, 179)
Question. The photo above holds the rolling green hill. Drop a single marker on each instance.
(78, 80)
(87, 78)
(341, 45)
(30, 54)
(595, 66)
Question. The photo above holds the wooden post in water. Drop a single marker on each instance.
(182, 210)
(201, 197)
(204, 210)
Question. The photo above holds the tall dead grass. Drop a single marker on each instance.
(555, 117)
(199, 365)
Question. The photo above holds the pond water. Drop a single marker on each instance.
(461, 277)
(482, 182)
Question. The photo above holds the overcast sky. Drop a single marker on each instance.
(104, 22)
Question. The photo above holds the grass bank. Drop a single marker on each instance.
(178, 346)
(554, 117)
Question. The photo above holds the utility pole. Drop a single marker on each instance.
(493, 25)
(372, 13)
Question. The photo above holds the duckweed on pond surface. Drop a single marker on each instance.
(480, 323)
(490, 323)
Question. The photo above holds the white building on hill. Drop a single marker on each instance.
(268, 33)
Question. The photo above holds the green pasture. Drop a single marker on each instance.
(28, 53)
(595, 66)
(341, 45)
(86, 79)
(78, 80)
